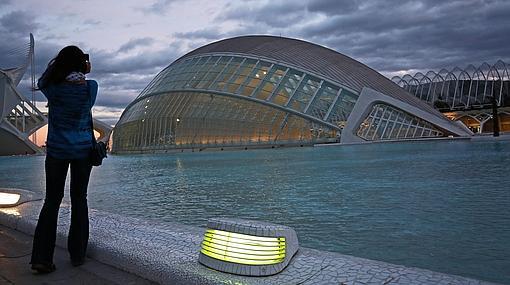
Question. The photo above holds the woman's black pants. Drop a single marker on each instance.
(46, 230)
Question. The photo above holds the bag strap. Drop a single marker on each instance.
(90, 116)
(92, 128)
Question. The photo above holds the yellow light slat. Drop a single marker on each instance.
(243, 256)
(242, 241)
(240, 260)
(274, 242)
(243, 236)
(242, 250)
(241, 244)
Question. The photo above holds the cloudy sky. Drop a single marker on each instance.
(130, 41)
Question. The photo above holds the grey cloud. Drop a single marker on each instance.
(208, 34)
(113, 98)
(134, 43)
(15, 28)
(275, 14)
(144, 62)
(125, 81)
(379, 19)
(194, 39)
(158, 7)
(18, 23)
(5, 2)
(391, 35)
(200, 37)
(349, 7)
(442, 37)
(53, 37)
(108, 115)
(134, 24)
(333, 7)
(91, 22)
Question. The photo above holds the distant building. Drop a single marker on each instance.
(465, 95)
(262, 91)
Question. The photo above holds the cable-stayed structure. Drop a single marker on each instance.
(19, 116)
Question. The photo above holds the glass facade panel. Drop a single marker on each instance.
(342, 108)
(287, 86)
(239, 76)
(324, 98)
(269, 82)
(309, 86)
(198, 102)
(202, 69)
(227, 73)
(257, 79)
(386, 122)
(205, 120)
(218, 63)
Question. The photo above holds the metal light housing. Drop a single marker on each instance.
(246, 247)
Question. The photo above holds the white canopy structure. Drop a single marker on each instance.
(19, 117)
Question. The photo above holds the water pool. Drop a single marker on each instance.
(441, 205)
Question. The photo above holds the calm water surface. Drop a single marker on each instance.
(444, 205)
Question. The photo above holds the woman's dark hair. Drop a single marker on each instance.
(69, 59)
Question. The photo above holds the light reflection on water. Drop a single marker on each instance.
(444, 206)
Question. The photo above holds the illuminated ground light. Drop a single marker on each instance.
(9, 199)
(245, 247)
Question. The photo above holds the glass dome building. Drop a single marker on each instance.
(262, 91)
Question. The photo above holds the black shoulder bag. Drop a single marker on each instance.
(98, 151)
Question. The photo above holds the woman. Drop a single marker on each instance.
(70, 99)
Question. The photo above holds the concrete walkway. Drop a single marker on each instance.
(15, 248)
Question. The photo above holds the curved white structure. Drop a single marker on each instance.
(264, 90)
(19, 118)
(465, 95)
(461, 89)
